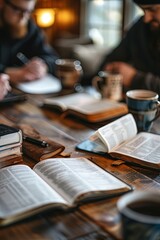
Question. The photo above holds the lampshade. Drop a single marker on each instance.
(45, 17)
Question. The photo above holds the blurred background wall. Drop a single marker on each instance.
(85, 29)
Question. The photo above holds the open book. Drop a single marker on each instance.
(53, 183)
(87, 107)
(121, 140)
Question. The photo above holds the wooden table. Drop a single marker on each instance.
(98, 220)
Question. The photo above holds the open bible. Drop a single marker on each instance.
(87, 107)
(121, 140)
(53, 183)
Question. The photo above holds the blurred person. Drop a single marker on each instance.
(4, 85)
(137, 57)
(19, 34)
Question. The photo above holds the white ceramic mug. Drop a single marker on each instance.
(109, 85)
(140, 215)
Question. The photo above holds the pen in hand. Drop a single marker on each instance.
(22, 58)
(40, 143)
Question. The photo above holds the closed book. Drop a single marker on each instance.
(36, 151)
(10, 160)
(9, 135)
(10, 145)
(87, 107)
(39, 153)
(11, 151)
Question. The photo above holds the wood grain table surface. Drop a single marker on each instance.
(92, 221)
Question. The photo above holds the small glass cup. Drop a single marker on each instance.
(69, 71)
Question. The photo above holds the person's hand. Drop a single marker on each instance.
(33, 70)
(36, 67)
(4, 85)
(126, 70)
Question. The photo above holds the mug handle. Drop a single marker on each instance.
(97, 82)
(158, 112)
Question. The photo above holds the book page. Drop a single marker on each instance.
(145, 146)
(44, 85)
(103, 105)
(21, 190)
(100, 146)
(116, 132)
(71, 100)
(71, 177)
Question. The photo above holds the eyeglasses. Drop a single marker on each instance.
(17, 9)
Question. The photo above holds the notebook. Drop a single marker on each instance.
(47, 84)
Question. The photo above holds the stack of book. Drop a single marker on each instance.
(10, 145)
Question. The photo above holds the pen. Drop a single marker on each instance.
(40, 143)
(22, 58)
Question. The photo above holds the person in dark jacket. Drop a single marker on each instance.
(137, 57)
(24, 52)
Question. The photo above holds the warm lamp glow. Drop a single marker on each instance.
(45, 17)
(65, 17)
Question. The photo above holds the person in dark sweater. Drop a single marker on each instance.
(137, 57)
(20, 35)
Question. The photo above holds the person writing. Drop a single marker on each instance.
(137, 57)
(19, 34)
(4, 85)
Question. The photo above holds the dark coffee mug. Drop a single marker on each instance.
(140, 215)
(144, 106)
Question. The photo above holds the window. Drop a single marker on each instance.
(107, 19)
